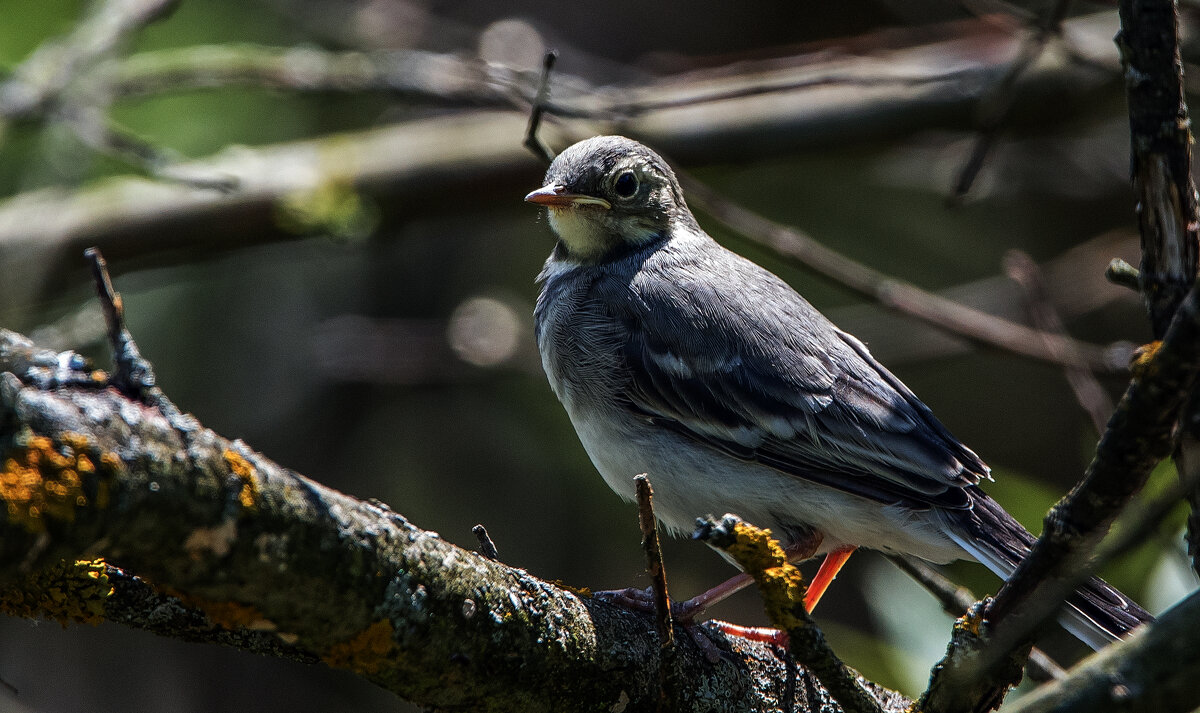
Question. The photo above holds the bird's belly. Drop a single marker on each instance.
(691, 480)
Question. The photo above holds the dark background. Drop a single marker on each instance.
(342, 356)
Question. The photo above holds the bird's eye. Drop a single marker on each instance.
(626, 185)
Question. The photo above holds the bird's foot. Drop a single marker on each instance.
(682, 613)
(642, 600)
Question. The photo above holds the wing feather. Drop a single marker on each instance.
(744, 364)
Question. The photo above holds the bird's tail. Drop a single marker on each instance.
(1097, 614)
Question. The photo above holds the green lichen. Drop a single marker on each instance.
(780, 583)
(69, 591)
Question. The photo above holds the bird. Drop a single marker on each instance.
(675, 356)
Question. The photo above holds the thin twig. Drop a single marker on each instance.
(532, 141)
(487, 548)
(956, 600)
(133, 375)
(654, 561)
(1092, 397)
(95, 131)
(980, 327)
(1122, 273)
(663, 621)
(995, 106)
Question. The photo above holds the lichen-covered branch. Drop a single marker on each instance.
(1156, 670)
(1168, 217)
(202, 538)
(982, 662)
(783, 590)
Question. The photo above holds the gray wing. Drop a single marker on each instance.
(738, 360)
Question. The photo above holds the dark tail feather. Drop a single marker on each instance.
(1097, 614)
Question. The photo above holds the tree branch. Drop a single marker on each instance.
(259, 557)
(897, 295)
(979, 665)
(37, 83)
(1156, 670)
(1161, 158)
(1090, 395)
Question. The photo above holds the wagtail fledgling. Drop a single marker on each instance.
(676, 357)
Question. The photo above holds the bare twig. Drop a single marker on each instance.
(956, 600)
(442, 79)
(1122, 273)
(980, 327)
(663, 620)
(133, 375)
(93, 128)
(487, 548)
(532, 141)
(654, 561)
(995, 106)
(1091, 396)
(653, 550)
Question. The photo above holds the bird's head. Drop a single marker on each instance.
(610, 193)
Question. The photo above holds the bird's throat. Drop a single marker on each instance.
(590, 236)
(584, 236)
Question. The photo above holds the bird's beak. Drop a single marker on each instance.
(557, 197)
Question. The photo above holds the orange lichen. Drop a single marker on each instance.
(1143, 358)
(234, 615)
(44, 480)
(66, 592)
(780, 583)
(228, 615)
(240, 467)
(971, 622)
(584, 592)
(366, 652)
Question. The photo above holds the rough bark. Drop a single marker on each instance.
(230, 547)
(1156, 671)
(1161, 159)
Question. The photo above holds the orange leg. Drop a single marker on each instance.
(833, 563)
